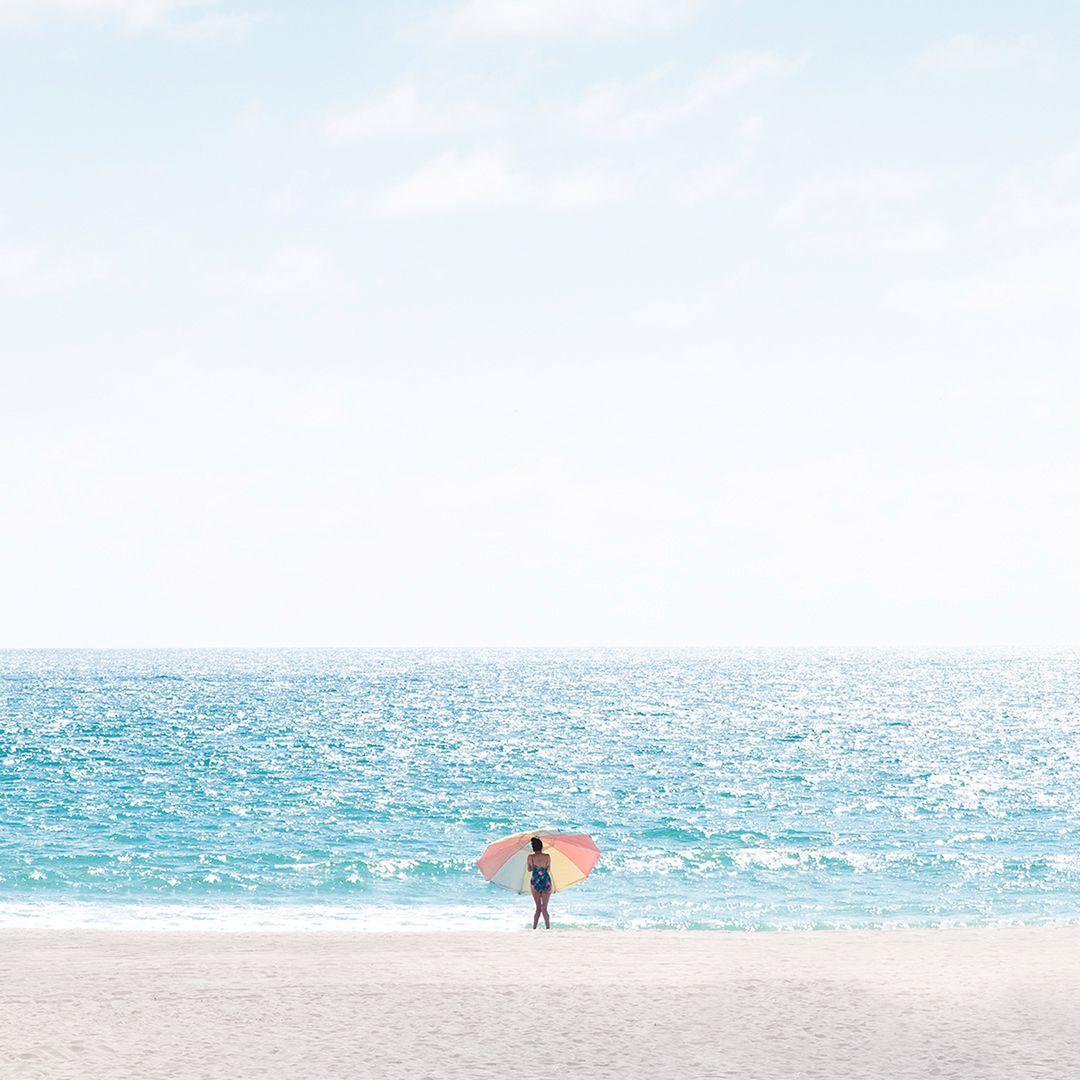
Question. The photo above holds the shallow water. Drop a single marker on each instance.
(735, 789)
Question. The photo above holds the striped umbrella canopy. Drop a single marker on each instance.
(505, 862)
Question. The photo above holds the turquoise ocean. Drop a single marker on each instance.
(756, 789)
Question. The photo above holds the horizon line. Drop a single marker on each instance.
(874, 646)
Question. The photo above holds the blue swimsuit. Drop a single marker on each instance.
(541, 878)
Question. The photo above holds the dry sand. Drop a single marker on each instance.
(936, 1003)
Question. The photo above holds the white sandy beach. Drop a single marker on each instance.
(944, 1003)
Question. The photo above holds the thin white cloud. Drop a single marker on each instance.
(1040, 201)
(1038, 397)
(860, 212)
(289, 271)
(139, 12)
(196, 19)
(28, 272)
(636, 109)
(594, 185)
(674, 313)
(968, 53)
(543, 18)
(487, 180)
(320, 407)
(406, 111)
(215, 25)
(855, 190)
(1013, 260)
(712, 180)
(453, 181)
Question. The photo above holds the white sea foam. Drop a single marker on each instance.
(236, 918)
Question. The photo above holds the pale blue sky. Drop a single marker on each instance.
(577, 322)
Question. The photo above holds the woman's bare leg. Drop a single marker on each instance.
(538, 899)
(544, 897)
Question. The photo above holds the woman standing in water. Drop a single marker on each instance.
(540, 881)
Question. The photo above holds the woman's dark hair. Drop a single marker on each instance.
(537, 843)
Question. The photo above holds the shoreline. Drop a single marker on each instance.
(288, 918)
(963, 1002)
(348, 929)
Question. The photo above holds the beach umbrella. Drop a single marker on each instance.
(505, 862)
